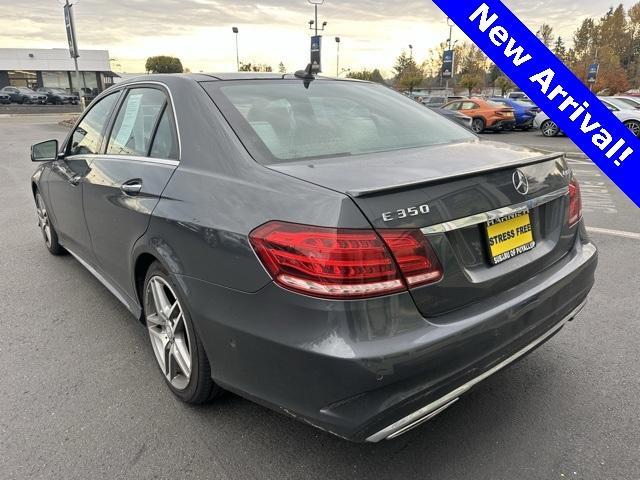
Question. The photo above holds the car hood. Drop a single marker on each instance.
(363, 174)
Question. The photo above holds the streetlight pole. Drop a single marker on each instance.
(338, 57)
(450, 23)
(313, 24)
(235, 30)
(411, 51)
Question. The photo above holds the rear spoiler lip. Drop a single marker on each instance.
(403, 186)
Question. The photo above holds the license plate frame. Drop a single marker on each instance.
(509, 236)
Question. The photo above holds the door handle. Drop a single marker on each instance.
(132, 187)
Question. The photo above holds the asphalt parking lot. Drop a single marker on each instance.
(81, 396)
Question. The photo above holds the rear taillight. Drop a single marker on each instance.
(575, 202)
(343, 263)
(415, 257)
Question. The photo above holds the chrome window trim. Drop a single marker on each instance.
(484, 217)
(125, 158)
(173, 107)
(425, 413)
(119, 88)
(138, 158)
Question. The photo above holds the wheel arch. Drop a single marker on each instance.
(141, 265)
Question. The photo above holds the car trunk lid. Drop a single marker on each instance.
(449, 192)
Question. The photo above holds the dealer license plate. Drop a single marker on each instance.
(509, 236)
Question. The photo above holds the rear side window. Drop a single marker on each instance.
(137, 118)
(165, 144)
(282, 120)
(87, 136)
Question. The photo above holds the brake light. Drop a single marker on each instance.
(343, 263)
(575, 202)
(415, 257)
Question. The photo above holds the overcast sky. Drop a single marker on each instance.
(373, 32)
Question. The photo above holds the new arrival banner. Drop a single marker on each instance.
(553, 87)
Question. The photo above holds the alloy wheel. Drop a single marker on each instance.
(477, 126)
(634, 127)
(43, 219)
(550, 129)
(168, 332)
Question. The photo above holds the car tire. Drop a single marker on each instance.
(49, 233)
(550, 129)
(633, 126)
(175, 343)
(478, 125)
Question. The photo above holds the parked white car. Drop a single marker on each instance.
(629, 116)
(633, 101)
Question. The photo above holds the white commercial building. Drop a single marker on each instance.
(33, 67)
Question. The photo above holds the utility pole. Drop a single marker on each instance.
(338, 57)
(450, 23)
(73, 44)
(235, 30)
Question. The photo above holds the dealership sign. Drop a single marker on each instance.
(71, 31)
(553, 87)
(316, 60)
(447, 64)
(592, 73)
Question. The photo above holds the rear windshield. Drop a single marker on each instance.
(281, 120)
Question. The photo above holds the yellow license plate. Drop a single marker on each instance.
(509, 236)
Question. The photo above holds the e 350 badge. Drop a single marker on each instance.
(405, 213)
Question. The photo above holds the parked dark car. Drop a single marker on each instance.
(463, 120)
(59, 96)
(437, 101)
(24, 95)
(328, 248)
(5, 98)
(524, 112)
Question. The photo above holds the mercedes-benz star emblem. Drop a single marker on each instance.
(520, 182)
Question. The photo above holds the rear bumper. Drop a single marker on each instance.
(528, 123)
(503, 125)
(432, 409)
(370, 369)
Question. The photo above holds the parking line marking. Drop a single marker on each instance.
(615, 233)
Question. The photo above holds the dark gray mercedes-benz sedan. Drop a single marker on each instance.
(327, 248)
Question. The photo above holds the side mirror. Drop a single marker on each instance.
(44, 151)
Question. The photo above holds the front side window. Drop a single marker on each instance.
(87, 137)
(135, 123)
(469, 106)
